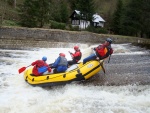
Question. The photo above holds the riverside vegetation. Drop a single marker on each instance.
(123, 17)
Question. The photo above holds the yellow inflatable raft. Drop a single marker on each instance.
(76, 72)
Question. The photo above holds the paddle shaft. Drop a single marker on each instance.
(109, 58)
(28, 66)
(70, 54)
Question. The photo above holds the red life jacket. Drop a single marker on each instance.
(77, 56)
(103, 51)
(37, 64)
(40, 63)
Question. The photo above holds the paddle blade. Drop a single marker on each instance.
(21, 69)
(101, 64)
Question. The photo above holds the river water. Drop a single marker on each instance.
(125, 88)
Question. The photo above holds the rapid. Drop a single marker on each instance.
(125, 88)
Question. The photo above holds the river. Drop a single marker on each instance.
(125, 88)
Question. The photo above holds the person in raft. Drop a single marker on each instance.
(75, 56)
(60, 64)
(101, 52)
(40, 66)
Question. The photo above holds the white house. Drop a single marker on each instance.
(98, 21)
(76, 20)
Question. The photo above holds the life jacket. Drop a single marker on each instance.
(42, 69)
(103, 52)
(38, 67)
(63, 61)
(77, 58)
(40, 63)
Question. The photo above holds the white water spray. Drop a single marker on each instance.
(16, 96)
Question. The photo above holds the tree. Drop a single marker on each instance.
(136, 20)
(86, 7)
(3, 12)
(116, 22)
(64, 12)
(12, 3)
(131, 21)
(72, 4)
(60, 13)
(35, 13)
(145, 19)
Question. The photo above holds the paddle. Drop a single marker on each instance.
(109, 58)
(101, 63)
(102, 67)
(22, 69)
(70, 53)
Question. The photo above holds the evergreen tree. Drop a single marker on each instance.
(131, 22)
(117, 17)
(64, 12)
(86, 7)
(145, 19)
(135, 20)
(72, 4)
(12, 3)
(60, 11)
(35, 13)
(55, 14)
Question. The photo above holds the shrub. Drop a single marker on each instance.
(97, 30)
(57, 25)
(10, 23)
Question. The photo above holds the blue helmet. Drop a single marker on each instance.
(109, 40)
(44, 58)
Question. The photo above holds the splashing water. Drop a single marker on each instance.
(16, 96)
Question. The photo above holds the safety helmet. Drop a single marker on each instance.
(62, 54)
(44, 58)
(76, 47)
(109, 40)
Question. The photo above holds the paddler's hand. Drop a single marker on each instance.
(97, 58)
(69, 52)
(93, 49)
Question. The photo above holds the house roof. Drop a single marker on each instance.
(97, 18)
(78, 12)
(74, 12)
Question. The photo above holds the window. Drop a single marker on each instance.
(75, 22)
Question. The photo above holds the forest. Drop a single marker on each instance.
(123, 17)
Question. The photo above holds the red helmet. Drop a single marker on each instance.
(62, 54)
(76, 47)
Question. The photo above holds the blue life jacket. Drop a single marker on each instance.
(61, 64)
(42, 69)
